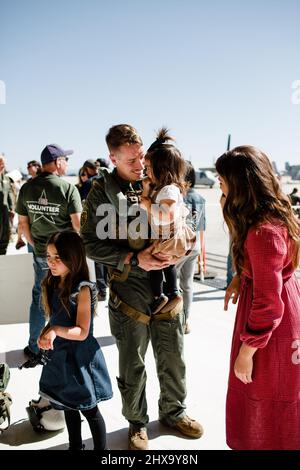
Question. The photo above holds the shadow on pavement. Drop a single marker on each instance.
(21, 432)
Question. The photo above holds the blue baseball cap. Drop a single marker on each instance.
(51, 152)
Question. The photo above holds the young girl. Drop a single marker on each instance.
(75, 378)
(163, 200)
(263, 401)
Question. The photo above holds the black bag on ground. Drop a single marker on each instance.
(43, 417)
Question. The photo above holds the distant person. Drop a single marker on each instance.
(102, 163)
(46, 204)
(15, 177)
(76, 378)
(91, 166)
(196, 220)
(295, 200)
(83, 184)
(7, 207)
(167, 216)
(34, 168)
(90, 169)
(263, 401)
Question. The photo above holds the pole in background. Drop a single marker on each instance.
(228, 142)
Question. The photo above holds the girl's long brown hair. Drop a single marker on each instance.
(168, 165)
(254, 197)
(71, 251)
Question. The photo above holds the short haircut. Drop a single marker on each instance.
(122, 134)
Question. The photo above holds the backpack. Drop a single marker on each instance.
(5, 398)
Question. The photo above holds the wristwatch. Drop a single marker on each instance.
(134, 260)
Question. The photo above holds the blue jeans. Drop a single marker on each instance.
(36, 313)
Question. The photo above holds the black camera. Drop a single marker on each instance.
(42, 358)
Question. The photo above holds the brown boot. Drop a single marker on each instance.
(187, 426)
(137, 438)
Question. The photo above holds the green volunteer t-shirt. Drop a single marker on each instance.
(47, 201)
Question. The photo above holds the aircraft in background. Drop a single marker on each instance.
(207, 175)
(293, 171)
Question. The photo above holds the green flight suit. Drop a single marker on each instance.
(132, 337)
(6, 206)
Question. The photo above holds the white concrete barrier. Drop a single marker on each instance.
(16, 281)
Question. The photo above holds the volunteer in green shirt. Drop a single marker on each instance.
(46, 204)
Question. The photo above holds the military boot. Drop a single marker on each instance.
(186, 425)
(137, 437)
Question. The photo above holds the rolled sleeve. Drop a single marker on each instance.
(267, 251)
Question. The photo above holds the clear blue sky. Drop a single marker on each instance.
(73, 68)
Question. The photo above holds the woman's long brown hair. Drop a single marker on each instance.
(71, 251)
(254, 197)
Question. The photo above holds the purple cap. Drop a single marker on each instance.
(51, 152)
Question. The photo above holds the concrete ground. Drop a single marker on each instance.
(207, 350)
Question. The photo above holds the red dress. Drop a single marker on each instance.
(265, 414)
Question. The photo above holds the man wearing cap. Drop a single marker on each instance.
(46, 204)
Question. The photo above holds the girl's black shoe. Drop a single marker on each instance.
(158, 303)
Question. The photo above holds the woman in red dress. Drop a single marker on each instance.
(263, 397)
